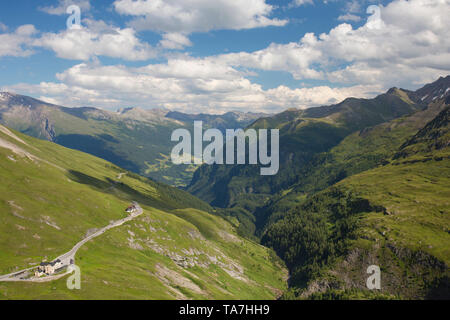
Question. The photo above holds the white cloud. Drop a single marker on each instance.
(410, 37)
(3, 27)
(349, 17)
(94, 39)
(295, 58)
(61, 7)
(352, 9)
(18, 43)
(407, 45)
(176, 19)
(188, 16)
(299, 3)
(317, 96)
(97, 39)
(189, 85)
(354, 6)
(175, 41)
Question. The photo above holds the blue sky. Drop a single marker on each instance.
(216, 56)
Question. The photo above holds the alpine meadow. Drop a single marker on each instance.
(221, 159)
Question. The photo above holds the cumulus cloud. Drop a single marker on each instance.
(407, 36)
(175, 41)
(402, 44)
(183, 17)
(61, 7)
(97, 39)
(296, 58)
(189, 85)
(187, 16)
(17, 43)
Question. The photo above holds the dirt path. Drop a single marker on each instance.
(12, 135)
(19, 150)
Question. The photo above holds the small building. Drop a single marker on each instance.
(48, 268)
(131, 209)
(39, 272)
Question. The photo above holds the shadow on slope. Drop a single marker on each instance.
(159, 196)
(98, 147)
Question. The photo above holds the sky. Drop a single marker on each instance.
(217, 56)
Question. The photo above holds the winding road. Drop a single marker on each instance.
(68, 258)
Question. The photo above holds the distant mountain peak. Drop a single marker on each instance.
(6, 95)
(392, 90)
(140, 109)
(435, 90)
(124, 110)
(396, 90)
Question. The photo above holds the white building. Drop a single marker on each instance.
(48, 268)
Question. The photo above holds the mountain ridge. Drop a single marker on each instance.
(324, 126)
(394, 215)
(133, 138)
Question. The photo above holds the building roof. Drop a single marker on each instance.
(43, 264)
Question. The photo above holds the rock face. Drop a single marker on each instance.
(49, 130)
(434, 136)
(28, 115)
(433, 91)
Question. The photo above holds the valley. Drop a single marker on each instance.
(360, 183)
(135, 139)
(363, 182)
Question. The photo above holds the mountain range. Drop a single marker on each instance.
(361, 183)
(364, 182)
(132, 138)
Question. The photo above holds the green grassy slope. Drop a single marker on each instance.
(51, 197)
(363, 150)
(395, 216)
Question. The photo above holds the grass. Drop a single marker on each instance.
(48, 205)
(417, 197)
(391, 209)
